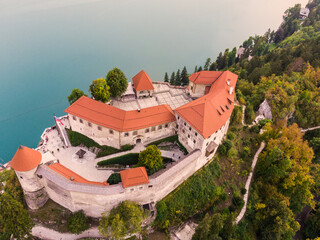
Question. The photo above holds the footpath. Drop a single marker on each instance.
(49, 234)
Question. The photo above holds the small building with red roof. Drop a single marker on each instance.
(134, 177)
(143, 84)
(201, 82)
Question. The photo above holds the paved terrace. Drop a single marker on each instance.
(163, 94)
(54, 148)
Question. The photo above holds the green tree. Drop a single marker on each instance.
(207, 64)
(123, 220)
(151, 158)
(172, 79)
(166, 77)
(77, 222)
(177, 81)
(117, 82)
(75, 95)
(14, 218)
(12, 186)
(184, 77)
(312, 225)
(100, 90)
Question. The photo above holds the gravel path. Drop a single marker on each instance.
(49, 234)
(247, 187)
(310, 129)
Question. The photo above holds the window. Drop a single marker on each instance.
(89, 124)
(227, 106)
(188, 135)
(189, 128)
(160, 127)
(99, 128)
(140, 188)
(153, 129)
(178, 117)
(207, 143)
(150, 186)
(147, 130)
(135, 133)
(185, 124)
(166, 125)
(194, 141)
(126, 134)
(111, 131)
(183, 131)
(131, 189)
(80, 120)
(74, 118)
(196, 133)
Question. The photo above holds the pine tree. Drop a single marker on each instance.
(178, 78)
(166, 78)
(184, 77)
(213, 66)
(207, 64)
(200, 69)
(196, 69)
(172, 79)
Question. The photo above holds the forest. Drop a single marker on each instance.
(283, 67)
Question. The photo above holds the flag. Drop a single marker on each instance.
(57, 119)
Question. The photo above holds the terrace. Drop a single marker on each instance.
(163, 94)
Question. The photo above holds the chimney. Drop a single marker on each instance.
(231, 90)
(138, 109)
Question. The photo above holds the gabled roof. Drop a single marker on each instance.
(210, 112)
(205, 77)
(72, 176)
(25, 159)
(120, 120)
(142, 81)
(134, 176)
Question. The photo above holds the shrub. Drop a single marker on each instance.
(107, 150)
(243, 191)
(126, 147)
(237, 201)
(114, 178)
(128, 159)
(77, 222)
(77, 138)
(230, 135)
(254, 129)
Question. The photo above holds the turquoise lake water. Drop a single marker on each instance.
(47, 48)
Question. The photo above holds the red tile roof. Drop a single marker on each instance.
(111, 117)
(67, 173)
(25, 159)
(142, 81)
(210, 112)
(205, 77)
(134, 176)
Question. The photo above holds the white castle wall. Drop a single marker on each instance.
(110, 137)
(94, 199)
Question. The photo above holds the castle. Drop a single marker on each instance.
(199, 114)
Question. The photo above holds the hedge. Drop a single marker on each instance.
(171, 139)
(128, 159)
(77, 139)
(114, 178)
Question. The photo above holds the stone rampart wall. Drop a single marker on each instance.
(94, 199)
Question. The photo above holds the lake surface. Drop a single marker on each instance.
(50, 47)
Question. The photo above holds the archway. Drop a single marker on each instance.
(138, 140)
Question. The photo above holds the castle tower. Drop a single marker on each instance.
(25, 163)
